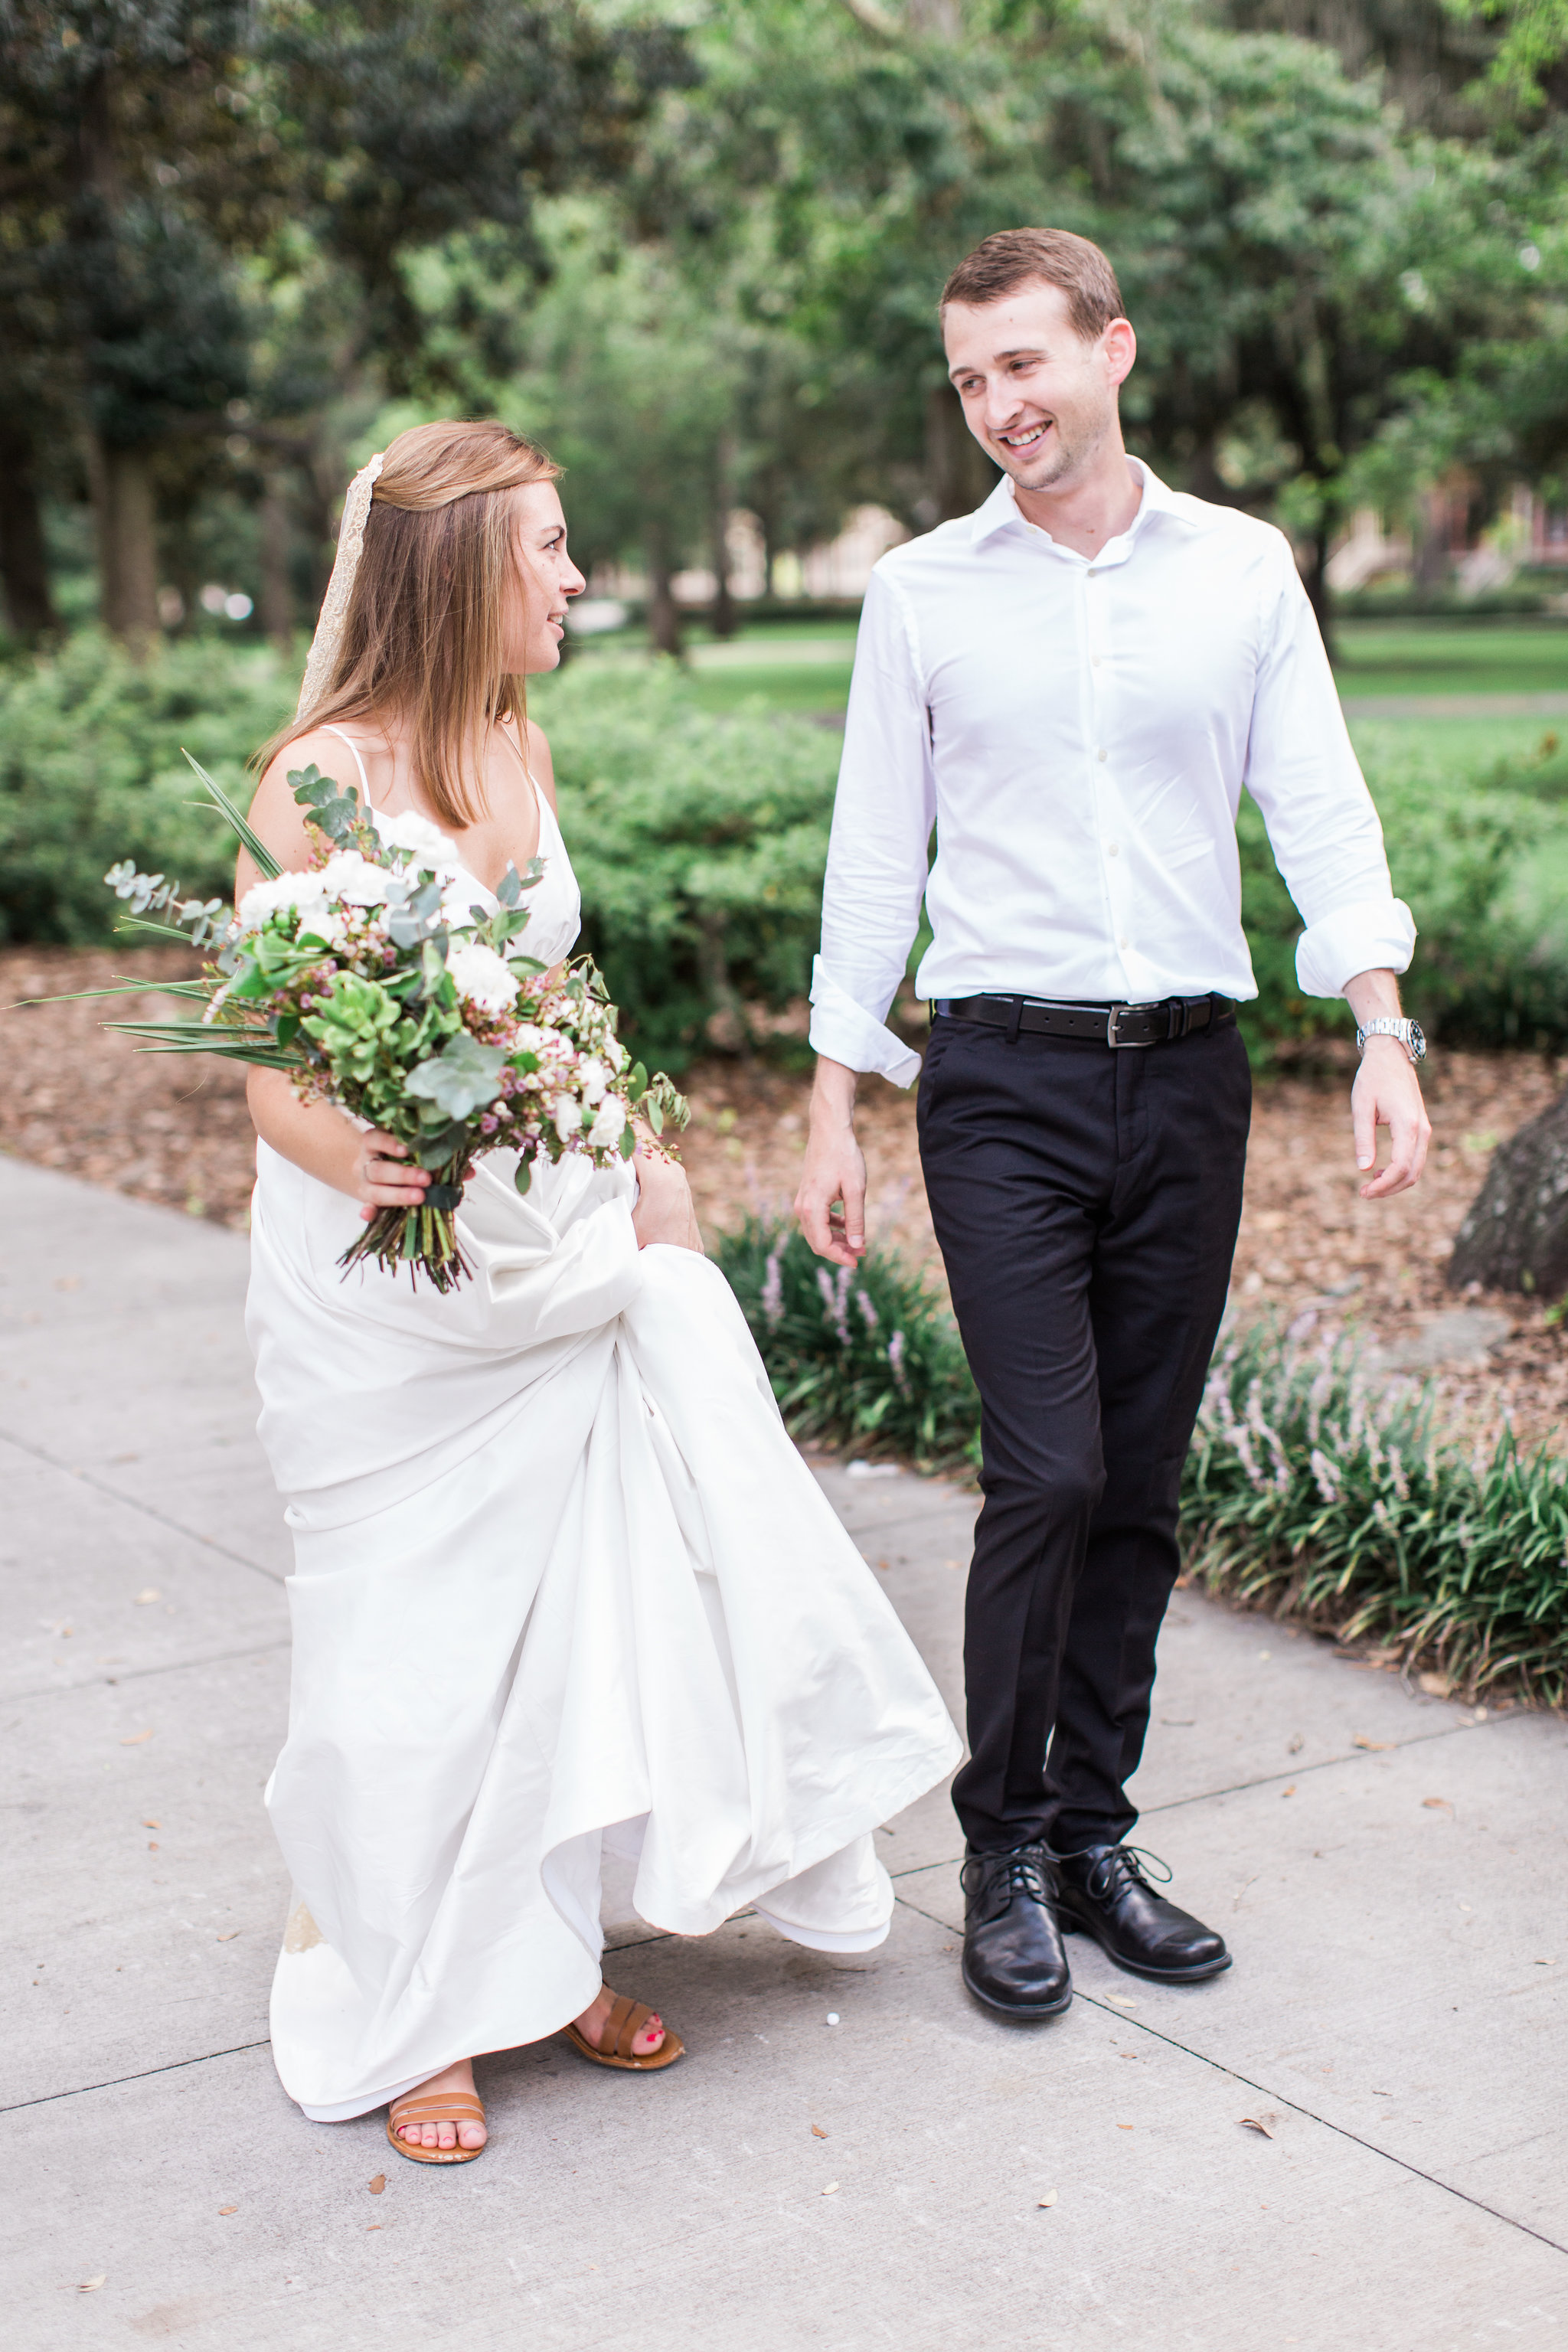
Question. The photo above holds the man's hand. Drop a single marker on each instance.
(1386, 1093)
(831, 1201)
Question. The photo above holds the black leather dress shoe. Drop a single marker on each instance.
(1105, 1894)
(1013, 1956)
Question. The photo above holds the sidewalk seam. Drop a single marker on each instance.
(174, 2066)
(1268, 2091)
(161, 1518)
(144, 1673)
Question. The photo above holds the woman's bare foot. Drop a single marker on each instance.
(592, 2023)
(468, 2132)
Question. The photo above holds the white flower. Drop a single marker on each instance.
(592, 1078)
(567, 1113)
(480, 976)
(530, 1038)
(297, 893)
(610, 1124)
(425, 843)
(353, 879)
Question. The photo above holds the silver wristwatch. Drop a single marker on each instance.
(1410, 1034)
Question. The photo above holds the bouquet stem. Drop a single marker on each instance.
(425, 1240)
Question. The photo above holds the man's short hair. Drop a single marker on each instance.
(999, 264)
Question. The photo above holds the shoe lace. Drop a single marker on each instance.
(1122, 1866)
(1027, 1870)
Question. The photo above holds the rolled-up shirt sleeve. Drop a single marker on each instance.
(1323, 827)
(878, 853)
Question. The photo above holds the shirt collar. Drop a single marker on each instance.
(1001, 509)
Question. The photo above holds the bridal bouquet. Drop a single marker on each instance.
(370, 981)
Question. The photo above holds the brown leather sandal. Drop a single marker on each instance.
(455, 2107)
(625, 2022)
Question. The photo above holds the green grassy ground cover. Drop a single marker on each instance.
(1316, 1488)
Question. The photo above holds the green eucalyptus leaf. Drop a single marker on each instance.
(464, 1077)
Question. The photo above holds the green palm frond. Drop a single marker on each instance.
(261, 857)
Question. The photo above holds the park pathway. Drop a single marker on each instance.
(852, 2156)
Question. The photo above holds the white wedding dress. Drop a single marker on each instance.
(562, 1585)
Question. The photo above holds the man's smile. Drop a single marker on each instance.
(1025, 436)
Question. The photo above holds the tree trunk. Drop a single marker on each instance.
(959, 474)
(1515, 1235)
(663, 617)
(277, 588)
(1319, 595)
(723, 617)
(24, 559)
(127, 542)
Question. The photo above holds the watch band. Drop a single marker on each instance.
(1408, 1034)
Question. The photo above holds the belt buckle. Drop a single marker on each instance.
(1113, 1027)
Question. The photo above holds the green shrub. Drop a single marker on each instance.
(869, 1358)
(1466, 844)
(91, 771)
(699, 843)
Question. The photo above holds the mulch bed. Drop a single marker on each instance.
(175, 1130)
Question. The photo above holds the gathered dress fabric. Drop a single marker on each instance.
(562, 1586)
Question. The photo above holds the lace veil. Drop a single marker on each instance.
(324, 644)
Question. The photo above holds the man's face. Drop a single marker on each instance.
(1037, 398)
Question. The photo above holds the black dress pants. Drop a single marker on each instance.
(1086, 1199)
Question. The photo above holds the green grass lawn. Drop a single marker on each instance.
(802, 668)
(1451, 657)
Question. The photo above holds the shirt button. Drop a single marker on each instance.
(1123, 943)
(1094, 661)
(1110, 848)
(1100, 755)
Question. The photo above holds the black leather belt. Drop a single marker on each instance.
(1104, 1024)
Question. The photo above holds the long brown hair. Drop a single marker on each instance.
(423, 631)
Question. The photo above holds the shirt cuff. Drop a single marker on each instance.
(1371, 935)
(845, 1032)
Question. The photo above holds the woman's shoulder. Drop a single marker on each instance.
(275, 813)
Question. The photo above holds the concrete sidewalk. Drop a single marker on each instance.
(1388, 1868)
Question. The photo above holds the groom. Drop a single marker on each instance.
(1073, 684)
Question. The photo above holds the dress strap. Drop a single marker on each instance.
(359, 763)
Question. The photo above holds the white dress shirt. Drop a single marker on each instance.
(1078, 729)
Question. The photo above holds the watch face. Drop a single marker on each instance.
(1417, 1039)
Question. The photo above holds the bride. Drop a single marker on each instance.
(562, 1586)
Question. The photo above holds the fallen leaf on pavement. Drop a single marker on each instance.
(151, 1594)
(229, 1937)
(1124, 2127)
(89, 2287)
(1294, 1746)
(1049, 2197)
(151, 1825)
(1376, 1746)
(831, 2189)
(378, 2184)
(1438, 1804)
(1120, 2000)
(1268, 2123)
(1289, 1792)
(223, 2209)
(1435, 1686)
(817, 2131)
(135, 1740)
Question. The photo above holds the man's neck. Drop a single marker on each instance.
(1091, 510)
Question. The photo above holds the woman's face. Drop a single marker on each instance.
(535, 619)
